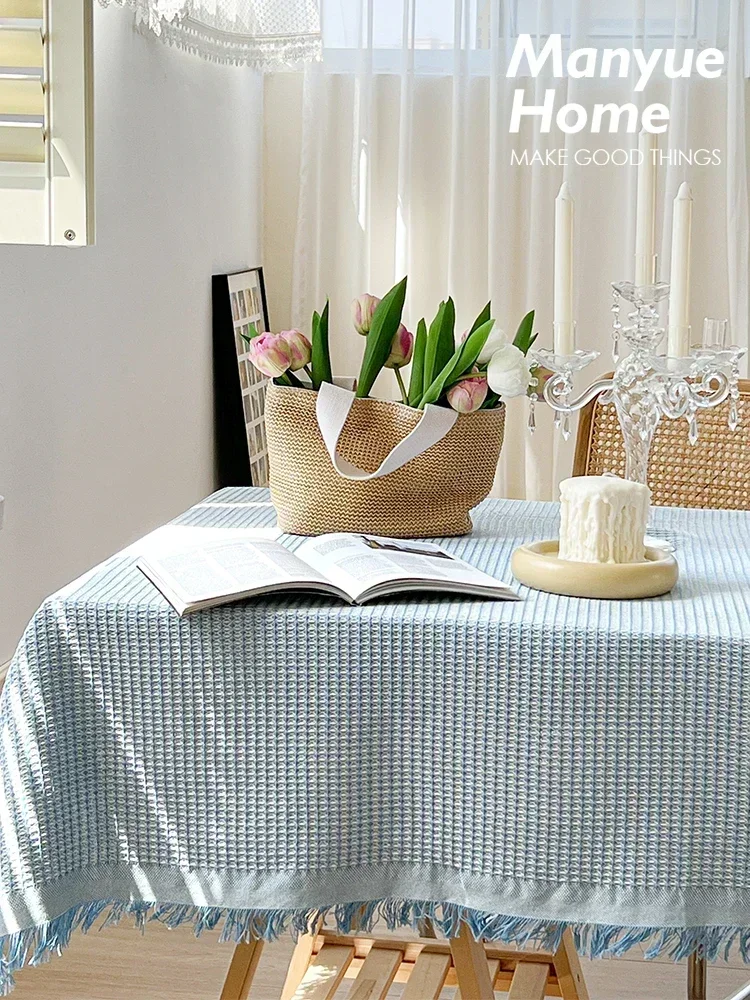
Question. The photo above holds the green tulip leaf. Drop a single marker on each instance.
(431, 346)
(440, 341)
(524, 337)
(320, 357)
(462, 362)
(470, 350)
(254, 333)
(481, 318)
(416, 379)
(289, 378)
(314, 337)
(385, 323)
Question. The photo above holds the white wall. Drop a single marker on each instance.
(105, 352)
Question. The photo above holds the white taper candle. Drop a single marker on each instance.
(645, 209)
(678, 344)
(564, 338)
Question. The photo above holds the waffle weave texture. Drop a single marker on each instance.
(555, 760)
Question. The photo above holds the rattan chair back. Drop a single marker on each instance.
(714, 473)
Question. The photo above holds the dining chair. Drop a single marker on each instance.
(330, 966)
(714, 472)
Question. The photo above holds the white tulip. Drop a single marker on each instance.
(495, 342)
(508, 372)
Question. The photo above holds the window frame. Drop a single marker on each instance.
(65, 173)
(440, 60)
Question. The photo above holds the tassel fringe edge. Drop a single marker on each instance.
(38, 944)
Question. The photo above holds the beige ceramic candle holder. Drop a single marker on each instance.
(537, 565)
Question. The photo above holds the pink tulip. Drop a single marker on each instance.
(468, 394)
(363, 309)
(299, 346)
(271, 354)
(401, 348)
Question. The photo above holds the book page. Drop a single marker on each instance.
(233, 566)
(357, 563)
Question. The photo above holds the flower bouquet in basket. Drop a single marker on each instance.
(342, 461)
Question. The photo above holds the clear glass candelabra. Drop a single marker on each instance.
(646, 386)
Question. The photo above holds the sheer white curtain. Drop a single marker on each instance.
(260, 33)
(393, 156)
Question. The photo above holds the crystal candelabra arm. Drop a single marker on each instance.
(678, 398)
(557, 393)
(727, 358)
(705, 396)
(684, 394)
(558, 385)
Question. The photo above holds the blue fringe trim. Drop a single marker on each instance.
(38, 944)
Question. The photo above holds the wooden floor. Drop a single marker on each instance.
(120, 963)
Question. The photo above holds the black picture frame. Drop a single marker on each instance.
(238, 299)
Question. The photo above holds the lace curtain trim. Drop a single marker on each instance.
(263, 34)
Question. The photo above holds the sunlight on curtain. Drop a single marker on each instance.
(393, 156)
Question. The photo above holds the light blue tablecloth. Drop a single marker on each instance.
(526, 766)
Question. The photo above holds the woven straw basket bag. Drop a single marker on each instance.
(367, 465)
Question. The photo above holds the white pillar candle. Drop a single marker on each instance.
(645, 209)
(564, 335)
(678, 344)
(603, 519)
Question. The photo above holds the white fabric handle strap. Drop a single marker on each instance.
(332, 409)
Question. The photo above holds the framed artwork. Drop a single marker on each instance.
(239, 300)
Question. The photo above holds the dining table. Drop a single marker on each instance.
(524, 768)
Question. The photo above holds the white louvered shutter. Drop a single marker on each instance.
(46, 133)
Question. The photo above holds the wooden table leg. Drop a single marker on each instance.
(326, 972)
(494, 966)
(472, 971)
(568, 970)
(529, 981)
(696, 977)
(242, 970)
(299, 962)
(427, 977)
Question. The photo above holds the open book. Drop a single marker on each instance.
(356, 568)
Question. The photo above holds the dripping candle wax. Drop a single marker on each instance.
(603, 519)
